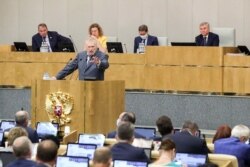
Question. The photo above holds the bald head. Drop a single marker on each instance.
(22, 147)
(102, 157)
(47, 152)
(22, 118)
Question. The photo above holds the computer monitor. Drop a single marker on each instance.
(191, 160)
(183, 43)
(114, 47)
(71, 161)
(46, 128)
(21, 47)
(81, 150)
(7, 124)
(124, 163)
(66, 47)
(147, 132)
(97, 139)
(244, 49)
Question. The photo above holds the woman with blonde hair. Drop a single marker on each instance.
(95, 31)
(167, 155)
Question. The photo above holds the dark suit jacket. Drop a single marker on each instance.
(22, 163)
(86, 72)
(233, 146)
(125, 151)
(213, 40)
(186, 143)
(113, 134)
(32, 134)
(54, 40)
(152, 40)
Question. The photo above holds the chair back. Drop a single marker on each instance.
(163, 41)
(226, 35)
(223, 160)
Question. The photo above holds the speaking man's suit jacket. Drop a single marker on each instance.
(125, 151)
(151, 40)
(233, 146)
(54, 40)
(87, 71)
(213, 40)
(187, 143)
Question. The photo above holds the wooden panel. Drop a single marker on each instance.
(6, 48)
(73, 88)
(133, 75)
(119, 58)
(236, 80)
(93, 101)
(237, 60)
(202, 56)
(204, 79)
(104, 102)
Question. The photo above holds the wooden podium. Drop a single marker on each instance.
(96, 104)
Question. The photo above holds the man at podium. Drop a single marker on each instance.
(91, 63)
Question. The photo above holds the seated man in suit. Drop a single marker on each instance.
(123, 150)
(22, 120)
(91, 63)
(125, 117)
(144, 38)
(206, 38)
(235, 145)
(187, 142)
(22, 148)
(52, 39)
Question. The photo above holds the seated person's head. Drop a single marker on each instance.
(43, 30)
(125, 132)
(47, 152)
(192, 127)
(164, 125)
(126, 117)
(102, 157)
(168, 148)
(143, 30)
(22, 118)
(15, 133)
(204, 28)
(95, 30)
(53, 138)
(22, 147)
(242, 132)
(223, 131)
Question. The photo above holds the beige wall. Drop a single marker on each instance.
(176, 19)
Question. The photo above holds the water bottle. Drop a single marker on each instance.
(46, 76)
(44, 47)
(141, 48)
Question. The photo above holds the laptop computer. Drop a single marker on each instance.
(81, 150)
(71, 161)
(147, 132)
(97, 139)
(183, 44)
(66, 47)
(46, 128)
(148, 152)
(191, 160)
(21, 47)
(114, 47)
(124, 163)
(7, 124)
(1, 137)
(244, 49)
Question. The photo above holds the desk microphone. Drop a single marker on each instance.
(125, 48)
(73, 43)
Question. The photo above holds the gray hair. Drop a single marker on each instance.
(240, 131)
(22, 147)
(205, 24)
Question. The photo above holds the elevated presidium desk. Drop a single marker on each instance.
(189, 69)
